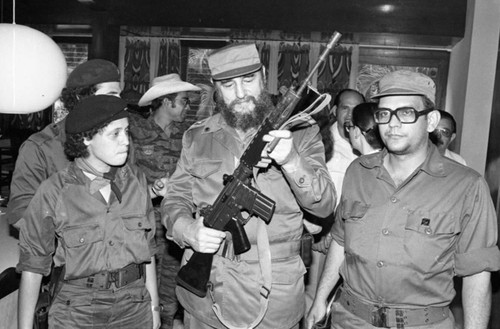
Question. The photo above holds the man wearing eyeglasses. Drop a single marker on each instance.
(444, 134)
(408, 222)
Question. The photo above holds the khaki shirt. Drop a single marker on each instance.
(92, 235)
(212, 149)
(403, 245)
(40, 156)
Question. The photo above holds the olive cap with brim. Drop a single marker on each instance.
(94, 111)
(233, 61)
(405, 82)
(166, 85)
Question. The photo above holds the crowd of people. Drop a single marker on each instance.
(112, 203)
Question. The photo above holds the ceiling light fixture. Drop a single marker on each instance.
(387, 8)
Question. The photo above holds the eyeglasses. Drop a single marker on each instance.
(404, 114)
(445, 132)
(184, 101)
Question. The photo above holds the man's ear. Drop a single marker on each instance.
(433, 120)
(167, 101)
(453, 137)
(333, 111)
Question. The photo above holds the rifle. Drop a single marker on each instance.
(238, 195)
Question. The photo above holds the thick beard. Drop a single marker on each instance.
(245, 121)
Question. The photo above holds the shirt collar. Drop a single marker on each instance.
(434, 164)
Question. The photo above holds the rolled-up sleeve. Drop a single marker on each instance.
(308, 176)
(477, 249)
(37, 235)
(177, 206)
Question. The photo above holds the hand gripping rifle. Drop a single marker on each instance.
(238, 195)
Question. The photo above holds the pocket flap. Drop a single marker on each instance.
(432, 223)
(205, 168)
(136, 222)
(84, 235)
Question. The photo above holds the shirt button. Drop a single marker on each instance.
(394, 199)
(111, 243)
(380, 263)
(302, 180)
(428, 230)
(139, 224)
(385, 231)
(82, 240)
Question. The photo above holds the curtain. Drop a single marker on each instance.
(293, 64)
(287, 63)
(334, 74)
(169, 57)
(136, 75)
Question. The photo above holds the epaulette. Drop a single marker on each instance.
(192, 130)
(44, 135)
(198, 123)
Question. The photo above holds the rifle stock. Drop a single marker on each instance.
(237, 194)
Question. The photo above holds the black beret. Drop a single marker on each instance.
(92, 72)
(95, 111)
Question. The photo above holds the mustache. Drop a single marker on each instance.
(246, 99)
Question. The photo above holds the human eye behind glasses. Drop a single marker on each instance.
(406, 112)
(383, 113)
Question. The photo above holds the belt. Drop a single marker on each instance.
(103, 280)
(279, 250)
(387, 317)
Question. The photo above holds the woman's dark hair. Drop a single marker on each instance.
(71, 96)
(74, 147)
(363, 118)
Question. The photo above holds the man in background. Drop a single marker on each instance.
(343, 153)
(444, 134)
(157, 144)
(363, 132)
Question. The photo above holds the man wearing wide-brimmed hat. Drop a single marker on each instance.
(157, 142)
(409, 221)
(264, 286)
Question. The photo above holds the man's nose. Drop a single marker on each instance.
(240, 90)
(394, 121)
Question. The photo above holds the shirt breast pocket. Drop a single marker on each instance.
(204, 168)
(137, 229)
(355, 227)
(430, 238)
(208, 179)
(83, 245)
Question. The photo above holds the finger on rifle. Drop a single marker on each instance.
(262, 164)
(274, 137)
(282, 133)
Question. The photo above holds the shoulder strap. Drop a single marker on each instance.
(266, 272)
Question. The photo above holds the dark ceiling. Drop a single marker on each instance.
(396, 22)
